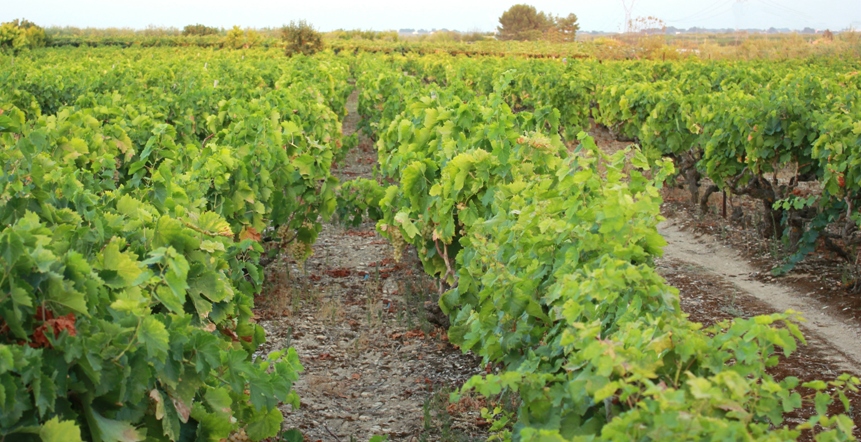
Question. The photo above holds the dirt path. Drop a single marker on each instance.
(710, 256)
(374, 365)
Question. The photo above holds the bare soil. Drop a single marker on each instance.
(374, 364)
(709, 298)
(719, 261)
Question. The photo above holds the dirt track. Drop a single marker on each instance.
(707, 253)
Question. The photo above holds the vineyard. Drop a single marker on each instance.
(146, 193)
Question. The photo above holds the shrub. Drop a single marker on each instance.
(301, 38)
(199, 29)
(18, 35)
(239, 39)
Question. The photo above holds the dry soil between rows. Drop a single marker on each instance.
(374, 364)
(710, 255)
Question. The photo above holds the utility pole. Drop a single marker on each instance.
(628, 5)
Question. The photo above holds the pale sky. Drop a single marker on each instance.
(463, 15)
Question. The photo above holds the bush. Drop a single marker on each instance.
(18, 35)
(239, 39)
(301, 38)
(358, 34)
(199, 29)
(358, 200)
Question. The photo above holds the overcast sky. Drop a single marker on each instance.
(463, 15)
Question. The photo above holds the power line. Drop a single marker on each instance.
(707, 11)
(775, 4)
(710, 17)
(778, 10)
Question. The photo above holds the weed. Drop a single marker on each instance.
(331, 311)
(732, 308)
(439, 424)
(416, 290)
(361, 343)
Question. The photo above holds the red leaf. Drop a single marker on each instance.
(39, 338)
(230, 334)
(66, 323)
(250, 233)
(43, 314)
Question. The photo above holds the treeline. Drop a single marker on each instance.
(524, 22)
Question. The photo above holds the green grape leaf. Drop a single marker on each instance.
(154, 337)
(56, 430)
(265, 424)
(292, 435)
(403, 218)
(110, 430)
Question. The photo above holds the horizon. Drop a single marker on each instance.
(476, 16)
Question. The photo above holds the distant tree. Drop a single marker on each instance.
(199, 29)
(566, 27)
(18, 35)
(239, 39)
(301, 38)
(523, 22)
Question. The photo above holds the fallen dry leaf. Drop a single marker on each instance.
(338, 273)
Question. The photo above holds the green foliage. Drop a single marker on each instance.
(18, 35)
(359, 200)
(292, 435)
(200, 30)
(136, 183)
(566, 27)
(742, 125)
(241, 39)
(301, 38)
(549, 253)
(359, 34)
(132, 204)
(522, 22)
